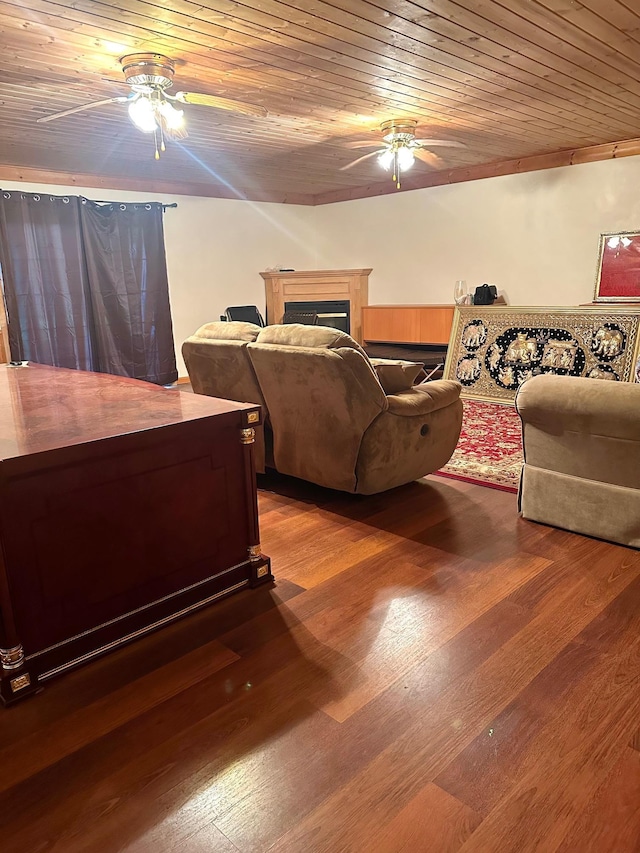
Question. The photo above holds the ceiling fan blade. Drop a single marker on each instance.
(444, 143)
(363, 143)
(220, 103)
(119, 100)
(429, 158)
(360, 159)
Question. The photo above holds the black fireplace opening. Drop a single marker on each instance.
(333, 313)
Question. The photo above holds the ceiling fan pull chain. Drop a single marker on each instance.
(155, 142)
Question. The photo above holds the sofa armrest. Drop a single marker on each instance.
(558, 404)
(396, 375)
(423, 399)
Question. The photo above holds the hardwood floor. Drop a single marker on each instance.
(430, 674)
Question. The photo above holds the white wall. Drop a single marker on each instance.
(533, 235)
(216, 249)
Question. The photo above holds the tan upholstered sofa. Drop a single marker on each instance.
(218, 364)
(582, 456)
(329, 417)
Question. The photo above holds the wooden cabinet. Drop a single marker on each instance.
(407, 324)
(122, 507)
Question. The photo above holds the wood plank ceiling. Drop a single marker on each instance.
(511, 80)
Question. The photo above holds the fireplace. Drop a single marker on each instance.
(334, 313)
(319, 288)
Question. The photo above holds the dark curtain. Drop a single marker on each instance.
(86, 285)
(127, 274)
(45, 280)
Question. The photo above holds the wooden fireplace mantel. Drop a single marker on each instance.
(318, 285)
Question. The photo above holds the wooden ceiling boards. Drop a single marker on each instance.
(524, 84)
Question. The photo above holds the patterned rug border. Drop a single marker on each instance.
(476, 481)
(489, 451)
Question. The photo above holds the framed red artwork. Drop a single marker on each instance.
(618, 273)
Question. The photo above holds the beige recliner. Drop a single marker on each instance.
(582, 456)
(219, 366)
(332, 422)
(327, 416)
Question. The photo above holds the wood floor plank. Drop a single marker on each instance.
(483, 773)
(556, 786)
(611, 820)
(86, 685)
(426, 672)
(433, 822)
(458, 714)
(64, 737)
(207, 839)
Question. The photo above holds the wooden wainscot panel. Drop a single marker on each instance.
(435, 324)
(389, 324)
(407, 324)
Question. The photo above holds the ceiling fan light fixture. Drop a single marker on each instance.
(400, 149)
(174, 119)
(386, 159)
(142, 114)
(399, 129)
(406, 157)
(150, 105)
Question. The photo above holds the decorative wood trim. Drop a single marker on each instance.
(24, 174)
(69, 179)
(569, 157)
(322, 285)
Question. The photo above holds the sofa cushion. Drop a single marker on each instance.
(233, 331)
(299, 335)
(396, 375)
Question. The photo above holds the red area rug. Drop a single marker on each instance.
(490, 448)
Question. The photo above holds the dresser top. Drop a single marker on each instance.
(44, 408)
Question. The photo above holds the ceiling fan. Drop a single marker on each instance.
(151, 108)
(400, 148)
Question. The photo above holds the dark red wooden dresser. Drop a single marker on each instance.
(122, 507)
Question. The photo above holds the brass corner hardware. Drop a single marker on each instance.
(12, 658)
(20, 682)
(248, 435)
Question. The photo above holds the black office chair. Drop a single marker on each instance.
(243, 314)
(307, 318)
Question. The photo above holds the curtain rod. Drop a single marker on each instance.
(102, 201)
